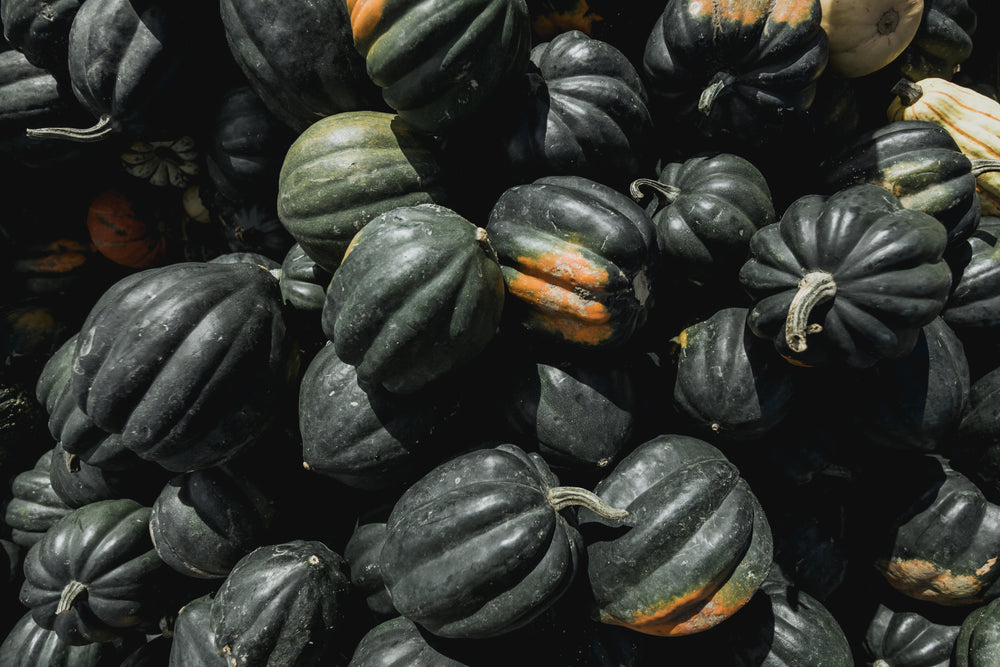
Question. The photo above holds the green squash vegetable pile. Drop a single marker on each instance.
(492, 332)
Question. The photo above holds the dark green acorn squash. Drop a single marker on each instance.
(40, 30)
(478, 547)
(934, 535)
(34, 506)
(131, 66)
(299, 58)
(282, 604)
(944, 40)
(188, 362)
(203, 522)
(79, 483)
(193, 641)
(95, 576)
(705, 210)
(919, 163)
(732, 73)
(974, 303)
(438, 61)
(904, 634)
(399, 642)
(578, 411)
(848, 279)
(346, 169)
(916, 401)
(978, 641)
(580, 109)
(28, 645)
(695, 545)
(303, 282)
(361, 553)
(729, 383)
(363, 435)
(577, 259)
(418, 295)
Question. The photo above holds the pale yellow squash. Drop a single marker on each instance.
(867, 35)
(972, 119)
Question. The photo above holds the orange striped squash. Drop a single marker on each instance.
(972, 119)
(126, 231)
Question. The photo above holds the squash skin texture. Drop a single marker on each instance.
(186, 362)
(281, 604)
(345, 170)
(765, 58)
(438, 61)
(577, 257)
(665, 574)
(475, 548)
(978, 641)
(418, 295)
(862, 237)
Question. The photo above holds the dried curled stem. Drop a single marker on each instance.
(814, 288)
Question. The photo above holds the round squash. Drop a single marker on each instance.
(812, 278)
(418, 295)
(978, 641)
(438, 61)
(577, 259)
(695, 545)
(346, 169)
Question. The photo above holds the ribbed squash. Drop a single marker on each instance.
(438, 61)
(577, 257)
(972, 119)
(344, 170)
(903, 634)
(978, 641)
(418, 295)
(695, 545)
(813, 277)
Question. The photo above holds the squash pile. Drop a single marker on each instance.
(493, 332)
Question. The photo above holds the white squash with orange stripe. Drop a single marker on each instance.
(972, 119)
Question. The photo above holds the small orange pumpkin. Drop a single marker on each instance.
(128, 230)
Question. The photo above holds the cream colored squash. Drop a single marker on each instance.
(867, 35)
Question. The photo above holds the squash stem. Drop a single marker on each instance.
(562, 497)
(70, 594)
(907, 91)
(984, 166)
(814, 288)
(712, 91)
(104, 126)
(668, 192)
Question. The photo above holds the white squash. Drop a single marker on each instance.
(867, 35)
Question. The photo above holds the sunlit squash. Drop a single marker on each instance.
(866, 36)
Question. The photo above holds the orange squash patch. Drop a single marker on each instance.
(365, 16)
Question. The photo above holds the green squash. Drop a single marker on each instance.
(361, 553)
(438, 61)
(919, 163)
(943, 41)
(978, 641)
(346, 169)
(899, 633)
(418, 296)
(693, 549)
(729, 383)
(33, 506)
(281, 604)
(577, 258)
(188, 362)
(40, 30)
(28, 643)
(972, 305)
(705, 210)
(848, 279)
(478, 546)
(95, 576)
(193, 640)
(733, 73)
(363, 435)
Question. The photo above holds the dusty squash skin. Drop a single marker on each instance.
(577, 260)
(694, 548)
(418, 295)
(193, 641)
(438, 61)
(919, 163)
(733, 72)
(40, 30)
(810, 276)
(346, 169)
(188, 362)
(899, 633)
(299, 58)
(281, 604)
(973, 306)
(978, 641)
